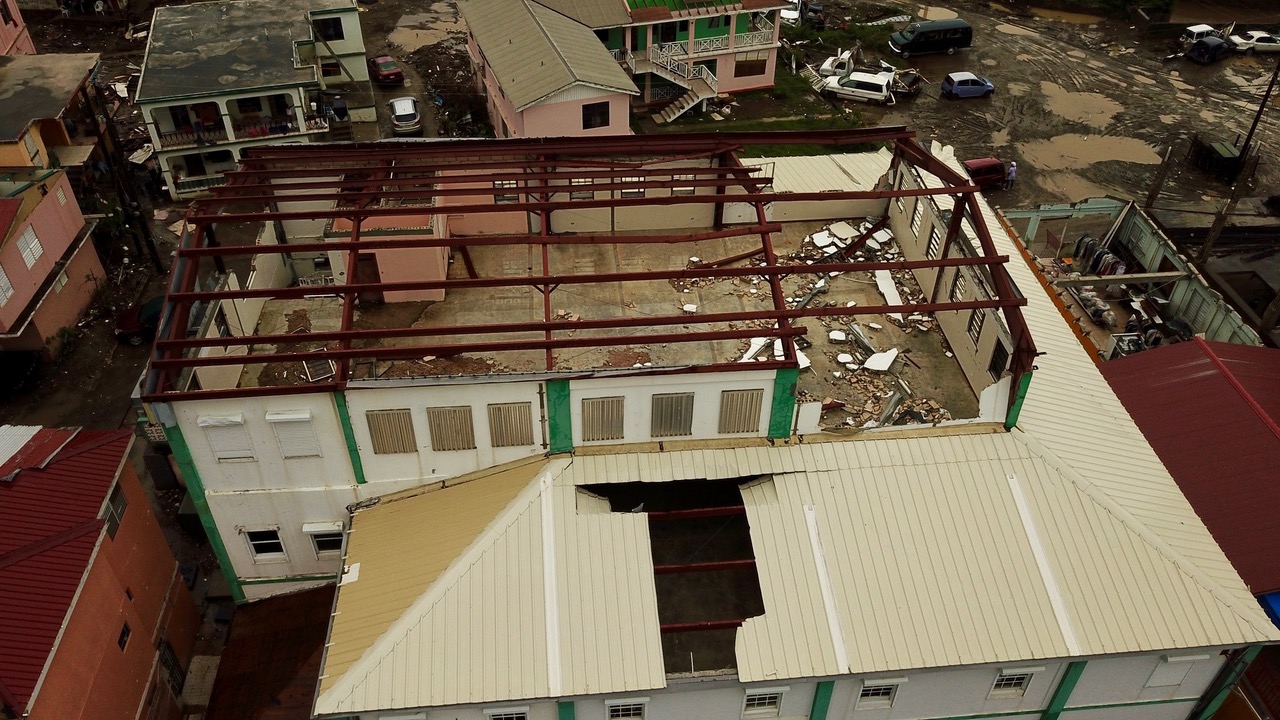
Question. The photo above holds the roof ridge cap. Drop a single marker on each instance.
(1095, 493)
(545, 33)
(1239, 387)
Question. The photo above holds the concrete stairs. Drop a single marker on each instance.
(696, 89)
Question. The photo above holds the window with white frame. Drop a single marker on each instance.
(265, 545)
(1012, 683)
(677, 189)
(632, 192)
(629, 709)
(30, 247)
(958, 287)
(227, 437)
(935, 244)
(62, 196)
(505, 197)
(878, 694)
(578, 194)
(975, 325)
(294, 433)
(915, 217)
(517, 713)
(763, 703)
(6, 287)
(60, 281)
(326, 543)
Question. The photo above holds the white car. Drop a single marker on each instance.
(864, 87)
(791, 15)
(1255, 41)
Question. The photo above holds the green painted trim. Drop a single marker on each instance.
(187, 466)
(1224, 690)
(784, 402)
(344, 417)
(1060, 696)
(1011, 418)
(559, 417)
(821, 700)
(1102, 706)
(565, 710)
(294, 578)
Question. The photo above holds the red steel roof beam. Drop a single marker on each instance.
(671, 628)
(702, 567)
(697, 513)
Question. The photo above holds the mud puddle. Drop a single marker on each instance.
(1094, 109)
(1071, 186)
(930, 12)
(1008, 29)
(1065, 16)
(1074, 151)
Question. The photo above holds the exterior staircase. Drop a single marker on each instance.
(699, 82)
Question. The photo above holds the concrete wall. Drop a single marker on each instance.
(62, 308)
(406, 264)
(561, 114)
(1118, 683)
(90, 677)
(56, 225)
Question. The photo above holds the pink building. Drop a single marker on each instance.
(15, 39)
(581, 67)
(48, 269)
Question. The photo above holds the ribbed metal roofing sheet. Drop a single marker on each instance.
(821, 173)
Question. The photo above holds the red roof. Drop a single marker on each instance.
(1210, 412)
(9, 208)
(48, 527)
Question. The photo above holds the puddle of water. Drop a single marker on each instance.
(931, 12)
(1168, 119)
(1070, 185)
(1001, 9)
(1093, 109)
(414, 32)
(1074, 151)
(990, 63)
(1000, 138)
(1179, 84)
(1064, 16)
(1208, 116)
(1018, 89)
(1143, 79)
(1025, 58)
(1079, 54)
(1015, 30)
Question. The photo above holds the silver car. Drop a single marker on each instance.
(406, 117)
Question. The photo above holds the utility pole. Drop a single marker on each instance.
(1159, 182)
(1257, 118)
(1220, 222)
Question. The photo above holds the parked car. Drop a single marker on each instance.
(966, 85)
(384, 70)
(1195, 33)
(1255, 41)
(406, 117)
(1209, 50)
(864, 87)
(812, 14)
(932, 36)
(791, 14)
(137, 324)
(986, 173)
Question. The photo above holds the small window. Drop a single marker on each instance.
(60, 281)
(935, 244)
(511, 424)
(227, 437)
(1173, 670)
(581, 194)
(391, 431)
(915, 217)
(6, 287)
(295, 434)
(602, 419)
(625, 710)
(114, 513)
(30, 247)
(762, 704)
(326, 543)
(330, 68)
(595, 115)
(976, 318)
(1011, 684)
(716, 22)
(265, 545)
(999, 361)
(249, 105)
(451, 428)
(672, 415)
(750, 64)
(123, 639)
(682, 189)
(503, 197)
(877, 695)
(507, 714)
(740, 411)
(632, 192)
(958, 287)
(62, 194)
(6, 16)
(329, 28)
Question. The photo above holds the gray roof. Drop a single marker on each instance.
(223, 47)
(33, 87)
(535, 51)
(592, 13)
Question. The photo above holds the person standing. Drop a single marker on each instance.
(1010, 175)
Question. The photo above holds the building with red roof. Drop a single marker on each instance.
(95, 621)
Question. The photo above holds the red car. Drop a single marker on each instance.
(384, 70)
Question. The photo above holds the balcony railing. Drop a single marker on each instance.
(682, 68)
(665, 92)
(194, 184)
(711, 44)
(752, 39)
(282, 125)
(181, 138)
(625, 57)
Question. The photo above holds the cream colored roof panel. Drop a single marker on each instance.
(534, 51)
(592, 13)
(821, 173)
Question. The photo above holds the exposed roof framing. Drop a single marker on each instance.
(352, 183)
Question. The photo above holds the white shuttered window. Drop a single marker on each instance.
(294, 433)
(30, 246)
(227, 437)
(6, 287)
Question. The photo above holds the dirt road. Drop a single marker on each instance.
(1086, 107)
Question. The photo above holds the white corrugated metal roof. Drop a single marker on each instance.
(820, 173)
(1063, 538)
(13, 437)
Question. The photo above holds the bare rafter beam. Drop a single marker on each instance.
(671, 628)
(704, 567)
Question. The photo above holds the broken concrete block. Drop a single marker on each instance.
(844, 358)
(689, 308)
(838, 336)
(875, 326)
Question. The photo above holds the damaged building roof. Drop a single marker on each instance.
(592, 13)
(223, 47)
(34, 87)
(969, 526)
(535, 51)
